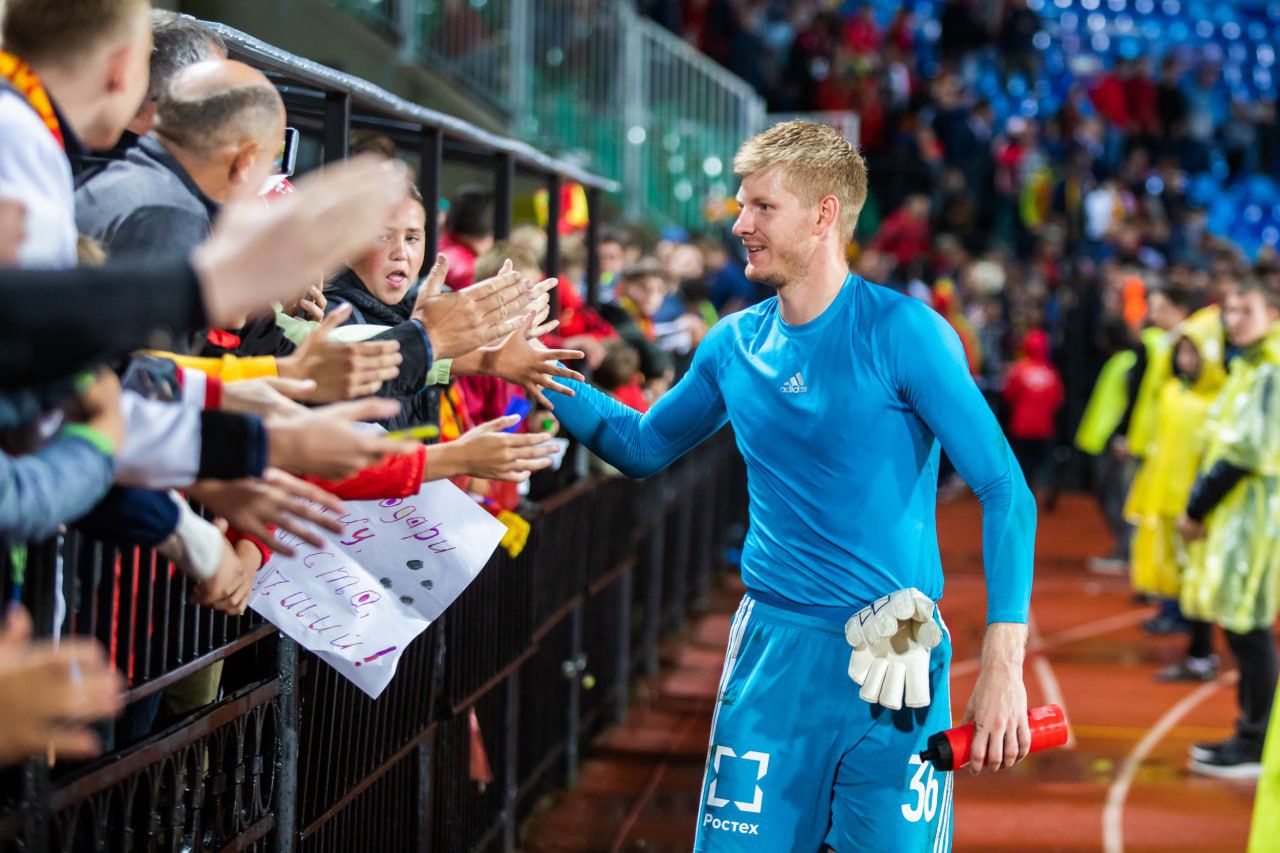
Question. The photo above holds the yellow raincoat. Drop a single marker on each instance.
(1163, 483)
(1106, 403)
(1157, 342)
(1264, 835)
(1233, 572)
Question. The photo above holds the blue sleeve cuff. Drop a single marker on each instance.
(426, 339)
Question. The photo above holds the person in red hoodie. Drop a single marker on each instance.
(1033, 393)
(905, 234)
(468, 234)
(861, 34)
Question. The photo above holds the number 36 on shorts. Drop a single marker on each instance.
(923, 792)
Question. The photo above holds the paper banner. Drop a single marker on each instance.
(361, 598)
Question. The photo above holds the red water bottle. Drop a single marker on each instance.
(950, 749)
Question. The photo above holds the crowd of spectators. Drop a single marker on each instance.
(186, 326)
(1012, 224)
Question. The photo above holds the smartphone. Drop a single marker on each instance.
(288, 156)
(517, 406)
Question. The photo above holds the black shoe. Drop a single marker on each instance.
(1161, 626)
(1234, 759)
(1202, 751)
(1190, 669)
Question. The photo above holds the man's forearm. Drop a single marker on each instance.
(471, 364)
(639, 445)
(1005, 646)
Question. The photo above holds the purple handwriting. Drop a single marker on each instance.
(316, 615)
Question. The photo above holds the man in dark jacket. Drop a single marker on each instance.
(218, 128)
(176, 42)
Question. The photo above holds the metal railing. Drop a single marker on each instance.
(293, 756)
(595, 82)
(277, 751)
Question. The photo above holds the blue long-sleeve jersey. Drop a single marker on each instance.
(839, 421)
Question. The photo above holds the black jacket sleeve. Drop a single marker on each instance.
(1134, 383)
(415, 349)
(57, 322)
(1211, 487)
(232, 446)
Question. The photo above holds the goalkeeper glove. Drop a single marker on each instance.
(891, 639)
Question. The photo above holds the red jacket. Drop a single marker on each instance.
(631, 395)
(1033, 391)
(1111, 100)
(576, 318)
(462, 262)
(394, 477)
(904, 237)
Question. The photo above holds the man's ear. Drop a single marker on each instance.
(243, 161)
(828, 215)
(118, 63)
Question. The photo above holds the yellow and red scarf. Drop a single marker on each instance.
(28, 85)
(645, 323)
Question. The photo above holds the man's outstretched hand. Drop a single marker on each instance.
(458, 323)
(340, 370)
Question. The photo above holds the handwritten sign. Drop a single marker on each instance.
(359, 600)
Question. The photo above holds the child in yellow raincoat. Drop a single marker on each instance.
(1163, 484)
(1234, 512)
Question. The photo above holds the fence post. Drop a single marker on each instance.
(430, 164)
(520, 68)
(406, 24)
(574, 715)
(595, 210)
(551, 264)
(622, 683)
(706, 533)
(680, 577)
(632, 78)
(510, 821)
(504, 188)
(289, 722)
(425, 758)
(656, 554)
(45, 570)
(337, 125)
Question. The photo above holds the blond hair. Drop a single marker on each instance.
(819, 162)
(522, 261)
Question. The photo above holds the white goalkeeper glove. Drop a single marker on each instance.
(891, 639)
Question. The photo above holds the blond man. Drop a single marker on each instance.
(841, 394)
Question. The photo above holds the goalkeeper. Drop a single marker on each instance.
(839, 392)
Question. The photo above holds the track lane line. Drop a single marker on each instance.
(1113, 810)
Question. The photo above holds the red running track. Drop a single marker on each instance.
(1121, 785)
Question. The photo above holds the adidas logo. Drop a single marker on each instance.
(794, 385)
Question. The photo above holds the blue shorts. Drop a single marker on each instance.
(798, 761)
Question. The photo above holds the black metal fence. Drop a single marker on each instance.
(543, 650)
(234, 739)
